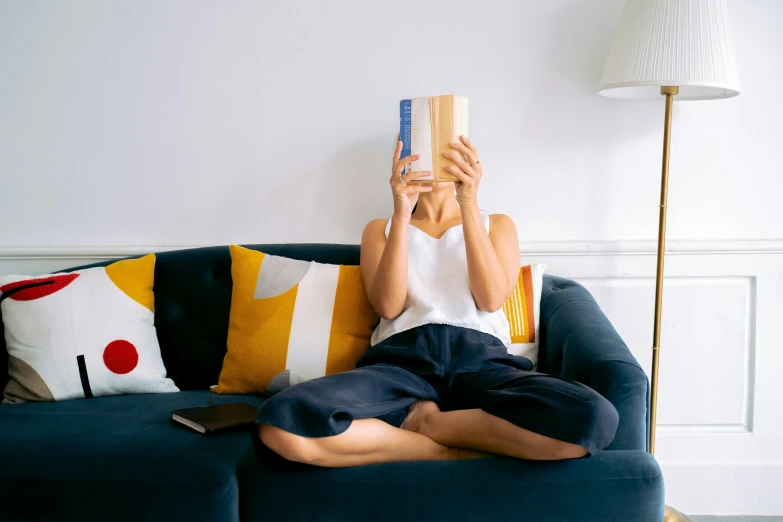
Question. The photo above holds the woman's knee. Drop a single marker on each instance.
(599, 422)
(602, 421)
(289, 445)
(566, 450)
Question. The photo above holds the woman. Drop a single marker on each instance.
(438, 382)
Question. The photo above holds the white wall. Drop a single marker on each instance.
(196, 122)
(155, 124)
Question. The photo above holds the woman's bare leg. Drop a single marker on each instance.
(478, 430)
(366, 441)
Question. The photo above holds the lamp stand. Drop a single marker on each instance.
(670, 514)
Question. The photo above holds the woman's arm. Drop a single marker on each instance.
(493, 259)
(384, 265)
(384, 261)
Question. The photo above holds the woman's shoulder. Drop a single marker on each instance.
(376, 222)
(501, 222)
(499, 217)
(375, 228)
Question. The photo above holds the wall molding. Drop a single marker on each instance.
(80, 252)
(538, 248)
(649, 247)
(702, 428)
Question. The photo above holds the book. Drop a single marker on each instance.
(427, 126)
(209, 419)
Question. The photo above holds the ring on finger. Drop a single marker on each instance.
(402, 181)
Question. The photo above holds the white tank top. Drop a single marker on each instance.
(439, 288)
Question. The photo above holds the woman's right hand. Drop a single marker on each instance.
(406, 195)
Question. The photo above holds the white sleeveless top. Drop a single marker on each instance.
(439, 288)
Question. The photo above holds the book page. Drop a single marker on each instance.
(462, 118)
(444, 113)
(421, 135)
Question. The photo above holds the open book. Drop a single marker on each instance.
(427, 126)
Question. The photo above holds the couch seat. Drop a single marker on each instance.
(621, 486)
(117, 458)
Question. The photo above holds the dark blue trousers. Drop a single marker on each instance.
(459, 369)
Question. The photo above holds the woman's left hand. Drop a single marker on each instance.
(467, 172)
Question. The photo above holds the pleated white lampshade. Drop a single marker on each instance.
(683, 43)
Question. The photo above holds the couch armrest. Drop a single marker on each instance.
(577, 341)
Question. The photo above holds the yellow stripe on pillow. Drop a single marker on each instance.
(522, 310)
(353, 322)
(135, 278)
(519, 309)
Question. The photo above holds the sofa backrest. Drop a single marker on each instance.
(192, 303)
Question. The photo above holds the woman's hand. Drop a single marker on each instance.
(406, 196)
(467, 172)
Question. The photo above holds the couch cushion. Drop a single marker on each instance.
(117, 458)
(610, 486)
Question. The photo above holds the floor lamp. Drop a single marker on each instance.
(670, 48)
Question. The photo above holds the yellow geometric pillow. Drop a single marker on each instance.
(522, 311)
(292, 321)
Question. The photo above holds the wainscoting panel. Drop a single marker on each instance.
(720, 410)
(720, 407)
(705, 324)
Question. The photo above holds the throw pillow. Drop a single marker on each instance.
(522, 311)
(82, 334)
(292, 321)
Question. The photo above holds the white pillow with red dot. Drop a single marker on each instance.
(83, 334)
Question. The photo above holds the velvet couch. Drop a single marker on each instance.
(120, 458)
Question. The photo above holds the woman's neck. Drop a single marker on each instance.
(438, 206)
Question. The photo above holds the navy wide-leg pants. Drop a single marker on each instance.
(458, 368)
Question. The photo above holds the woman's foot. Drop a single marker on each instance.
(418, 414)
(416, 421)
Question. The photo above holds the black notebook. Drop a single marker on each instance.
(209, 419)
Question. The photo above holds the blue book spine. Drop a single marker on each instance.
(405, 128)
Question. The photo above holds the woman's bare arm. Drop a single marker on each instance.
(384, 261)
(384, 265)
(493, 259)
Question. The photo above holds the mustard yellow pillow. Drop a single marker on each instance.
(292, 321)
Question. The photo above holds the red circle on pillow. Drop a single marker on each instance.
(120, 356)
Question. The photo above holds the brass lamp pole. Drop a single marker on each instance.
(669, 92)
(669, 514)
(672, 48)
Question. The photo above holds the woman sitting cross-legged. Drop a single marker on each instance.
(437, 382)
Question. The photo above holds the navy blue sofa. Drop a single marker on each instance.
(120, 458)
